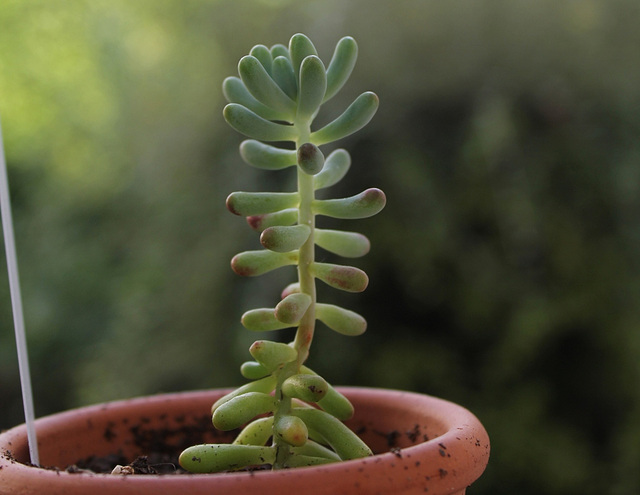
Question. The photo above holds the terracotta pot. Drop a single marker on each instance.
(437, 448)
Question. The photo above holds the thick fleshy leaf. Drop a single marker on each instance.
(285, 77)
(284, 239)
(251, 124)
(363, 205)
(258, 203)
(335, 168)
(293, 288)
(265, 156)
(309, 388)
(347, 278)
(310, 159)
(272, 354)
(252, 370)
(300, 47)
(312, 86)
(354, 118)
(347, 244)
(341, 439)
(333, 402)
(213, 458)
(254, 263)
(292, 430)
(341, 320)
(263, 54)
(279, 50)
(242, 409)
(264, 385)
(257, 432)
(236, 92)
(292, 308)
(262, 222)
(263, 87)
(262, 320)
(342, 63)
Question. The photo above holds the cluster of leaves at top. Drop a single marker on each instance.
(289, 415)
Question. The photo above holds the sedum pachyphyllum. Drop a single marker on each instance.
(289, 415)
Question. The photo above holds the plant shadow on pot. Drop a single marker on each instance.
(422, 445)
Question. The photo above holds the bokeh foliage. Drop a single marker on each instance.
(504, 270)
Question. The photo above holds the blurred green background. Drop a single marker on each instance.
(504, 271)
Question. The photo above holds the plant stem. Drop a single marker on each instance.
(304, 333)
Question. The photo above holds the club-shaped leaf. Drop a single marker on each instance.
(254, 263)
(285, 76)
(264, 385)
(284, 239)
(341, 320)
(354, 118)
(333, 402)
(347, 278)
(314, 449)
(309, 388)
(288, 216)
(242, 409)
(263, 87)
(341, 65)
(258, 203)
(344, 441)
(262, 320)
(265, 156)
(300, 47)
(253, 370)
(257, 432)
(347, 244)
(236, 92)
(335, 168)
(213, 458)
(263, 54)
(312, 86)
(293, 288)
(279, 50)
(251, 124)
(292, 430)
(310, 159)
(363, 205)
(292, 308)
(272, 354)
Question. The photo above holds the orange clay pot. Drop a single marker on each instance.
(438, 448)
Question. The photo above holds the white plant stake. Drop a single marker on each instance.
(16, 303)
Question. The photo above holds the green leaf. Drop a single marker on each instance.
(354, 118)
(341, 65)
(341, 320)
(257, 432)
(284, 239)
(242, 409)
(264, 385)
(213, 458)
(285, 77)
(312, 86)
(300, 47)
(309, 388)
(335, 168)
(333, 402)
(262, 320)
(258, 203)
(279, 50)
(347, 278)
(251, 124)
(310, 159)
(341, 439)
(292, 308)
(263, 54)
(292, 430)
(288, 216)
(316, 450)
(253, 370)
(347, 244)
(263, 87)
(267, 157)
(293, 288)
(254, 263)
(272, 354)
(236, 92)
(363, 205)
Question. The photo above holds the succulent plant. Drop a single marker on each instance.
(289, 415)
